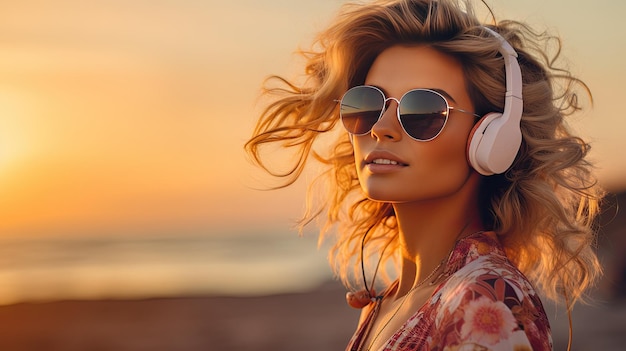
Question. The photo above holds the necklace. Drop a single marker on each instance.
(420, 283)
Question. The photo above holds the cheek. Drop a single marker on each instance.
(443, 166)
(447, 151)
(452, 142)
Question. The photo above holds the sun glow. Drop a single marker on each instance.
(13, 143)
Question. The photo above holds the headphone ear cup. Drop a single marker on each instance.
(474, 141)
(494, 144)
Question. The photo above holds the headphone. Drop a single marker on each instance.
(496, 138)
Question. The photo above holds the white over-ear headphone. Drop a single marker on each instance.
(496, 138)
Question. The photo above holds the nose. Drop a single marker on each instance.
(388, 125)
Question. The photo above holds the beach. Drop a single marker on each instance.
(317, 320)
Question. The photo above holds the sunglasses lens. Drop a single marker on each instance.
(361, 108)
(423, 114)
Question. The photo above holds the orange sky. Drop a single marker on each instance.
(122, 117)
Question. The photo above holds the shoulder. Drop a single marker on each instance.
(490, 303)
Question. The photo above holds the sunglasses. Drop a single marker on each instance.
(422, 112)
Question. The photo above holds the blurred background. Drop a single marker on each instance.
(129, 215)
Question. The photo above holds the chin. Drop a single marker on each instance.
(403, 196)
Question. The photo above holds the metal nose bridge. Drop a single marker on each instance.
(385, 108)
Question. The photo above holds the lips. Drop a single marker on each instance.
(384, 158)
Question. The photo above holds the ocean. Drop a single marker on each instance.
(134, 267)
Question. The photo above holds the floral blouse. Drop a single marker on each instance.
(486, 303)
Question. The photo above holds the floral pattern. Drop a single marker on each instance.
(487, 321)
(486, 303)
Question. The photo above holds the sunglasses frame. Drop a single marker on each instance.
(398, 102)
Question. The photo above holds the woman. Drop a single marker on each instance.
(457, 180)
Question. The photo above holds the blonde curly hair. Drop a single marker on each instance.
(542, 208)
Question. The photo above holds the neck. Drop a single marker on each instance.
(429, 230)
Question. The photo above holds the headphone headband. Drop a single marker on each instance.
(513, 96)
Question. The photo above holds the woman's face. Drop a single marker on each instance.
(419, 171)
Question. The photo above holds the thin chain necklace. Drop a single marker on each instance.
(420, 283)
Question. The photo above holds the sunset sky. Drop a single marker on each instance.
(129, 116)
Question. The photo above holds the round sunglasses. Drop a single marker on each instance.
(422, 112)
